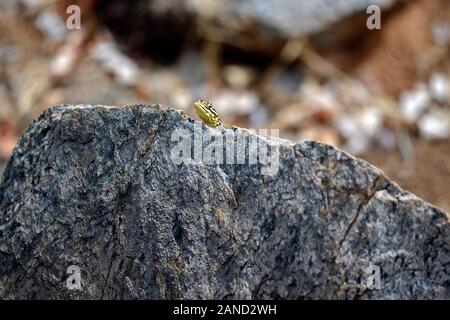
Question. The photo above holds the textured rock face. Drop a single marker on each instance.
(97, 188)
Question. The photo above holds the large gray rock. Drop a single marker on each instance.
(251, 25)
(294, 18)
(96, 187)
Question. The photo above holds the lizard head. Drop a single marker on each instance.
(201, 103)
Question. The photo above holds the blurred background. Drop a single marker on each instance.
(309, 68)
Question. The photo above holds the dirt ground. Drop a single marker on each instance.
(428, 176)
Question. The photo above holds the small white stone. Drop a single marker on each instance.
(359, 128)
(441, 33)
(347, 126)
(238, 77)
(435, 125)
(357, 144)
(114, 61)
(32, 4)
(439, 87)
(413, 103)
(51, 25)
(370, 121)
(235, 102)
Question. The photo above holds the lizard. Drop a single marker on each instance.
(207, 113)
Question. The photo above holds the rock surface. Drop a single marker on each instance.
(96, 187)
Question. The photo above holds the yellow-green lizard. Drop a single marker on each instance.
(207, 113)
